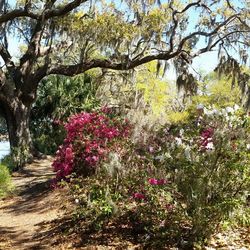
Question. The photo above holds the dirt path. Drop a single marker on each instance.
(33, 204)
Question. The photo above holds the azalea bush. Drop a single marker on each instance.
(89, 139)
(131, 198)
(130, 191)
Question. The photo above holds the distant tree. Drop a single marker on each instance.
(71, 37)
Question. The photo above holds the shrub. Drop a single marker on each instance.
(90, 137)
(5, 181)
(209, 160)
(58, 98)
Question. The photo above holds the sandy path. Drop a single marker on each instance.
(34, 204)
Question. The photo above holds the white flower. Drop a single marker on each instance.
(207, 112)
(76, 201)
(215, 112)
(178, 141)
(210, 146)
(236, 107)
(187, 153)
(248, 146)
(200, 106)
(229, 110)
(160, 158)
(181, 132)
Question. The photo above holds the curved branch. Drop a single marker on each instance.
(176, 22)
(64, 9)
(17, 13)
(49, 13)
(71, 70)
(207, 34)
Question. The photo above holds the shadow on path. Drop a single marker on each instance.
(32, 204)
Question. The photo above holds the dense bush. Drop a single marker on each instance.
(5, 181)
(58, 98)
(209, 160)
(90, 137)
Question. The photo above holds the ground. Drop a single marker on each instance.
(32, 204)
(33, 218)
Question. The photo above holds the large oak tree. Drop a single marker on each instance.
(71, 37)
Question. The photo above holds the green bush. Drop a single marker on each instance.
(58, 98)
(5, 181)
(9, 162)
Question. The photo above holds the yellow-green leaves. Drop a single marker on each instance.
(154, 89)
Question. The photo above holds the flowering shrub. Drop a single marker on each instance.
(209, 161)
(174, 189)
(90, 137)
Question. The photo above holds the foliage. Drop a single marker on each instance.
(58, 98)
(218, 91)
(70, 38)
(155, 90)
(90, 136)
(5, 181)
(17, 157)
(209, 159)
(178, 187)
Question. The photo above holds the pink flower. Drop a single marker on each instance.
(153, 181)
(87, 142)
(151, 149)
(162, 182)
(170, 207)
(139, 196)
(69, 154)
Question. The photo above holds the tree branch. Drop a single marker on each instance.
(206, 34)
(4, 53)
(176, 22)
(17, 13)
(71, 70)
(49, 13)
(63, 10)
(209, 47)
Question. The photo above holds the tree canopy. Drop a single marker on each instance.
(116, 35)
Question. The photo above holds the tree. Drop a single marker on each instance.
(71, 37)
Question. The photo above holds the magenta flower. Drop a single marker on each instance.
(139, 196)
(153, 181)
(151, 149)
(87, 141)
(162, 182)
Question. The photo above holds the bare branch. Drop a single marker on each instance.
(17, 13)
(176, 22)
(49, 13)
(206, 34)
(63, 10)
(212, 45)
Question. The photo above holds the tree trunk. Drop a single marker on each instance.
(17, 118)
